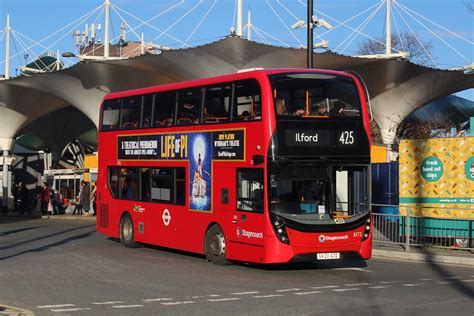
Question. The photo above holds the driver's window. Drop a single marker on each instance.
(250, 190)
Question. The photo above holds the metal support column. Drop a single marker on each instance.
(309, 23)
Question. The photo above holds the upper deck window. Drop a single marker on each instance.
(217, 105)
(189, 106)
(111, 115)
(248, 101)
(313, 95)
(130, 113)
(165, 104)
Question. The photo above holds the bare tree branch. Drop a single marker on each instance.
(418, 54)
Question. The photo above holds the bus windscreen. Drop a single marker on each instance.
(313, 95)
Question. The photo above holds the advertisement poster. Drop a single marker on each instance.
(437, 177)
(200, 171)
(199, 148)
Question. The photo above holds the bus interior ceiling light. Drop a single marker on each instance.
(311, 76)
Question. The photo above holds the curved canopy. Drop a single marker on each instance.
(396, 87)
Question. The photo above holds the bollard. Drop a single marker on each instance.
(408, 231)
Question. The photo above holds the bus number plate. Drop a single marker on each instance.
(329, 256)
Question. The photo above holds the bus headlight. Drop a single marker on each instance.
(279, 227)
(366, 230)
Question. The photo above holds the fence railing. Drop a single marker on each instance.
(416, 231)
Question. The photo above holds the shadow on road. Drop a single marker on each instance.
(10, 232)
(44, 237)
(445, 274)
(51, 245)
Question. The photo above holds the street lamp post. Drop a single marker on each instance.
(309, 23)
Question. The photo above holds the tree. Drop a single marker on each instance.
(418, 53)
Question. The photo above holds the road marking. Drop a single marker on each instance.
(444, 282)
(389, 282)
(324, 287)
(157, 299)
(268, 296)
(344, 290)
(127, 306)
(412, 284)
(357, 284)
(213, 295)
(426, 279)
(307, 293)
(178, 303)
(61, 310)
(452, 277)
(379, 287)
(107, 303)
(288, 290)
(471, 280)
(245, 293)
(355, 269)
(56, 306)
(223, 299)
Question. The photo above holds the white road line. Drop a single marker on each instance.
(345, 290)
(56, 306)
(471, 280)
(268, 296)
(357, 284)
(157, 299)
(288, 290)
(452, 277)
(107, 303)
(426, 279)
(178, 303)
(245, 293)
(389, 282)
(444, 282)
(307, 293)
(354, 269)
(412, 284)
(127, 306)
(324, 287)
(379, 287)
(223, 299)
(61, 310)
(213, 295)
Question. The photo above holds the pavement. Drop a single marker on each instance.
(397, 252)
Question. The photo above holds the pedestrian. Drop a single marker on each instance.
(93, 199)
(85, 198)
(45, 198)
(24, 198)
(78, 205)
(16, 194)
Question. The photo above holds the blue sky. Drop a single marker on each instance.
(36, 19)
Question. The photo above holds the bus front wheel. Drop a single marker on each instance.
(127, 232)
(216, 246)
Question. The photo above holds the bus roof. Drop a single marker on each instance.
(240, 75)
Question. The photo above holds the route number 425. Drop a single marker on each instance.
(347, 138)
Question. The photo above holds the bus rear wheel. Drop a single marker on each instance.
(216, 246)
(127, 232)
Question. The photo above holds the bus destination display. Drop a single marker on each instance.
(321, 138)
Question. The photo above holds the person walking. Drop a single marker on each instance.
(93, 199)
(45, 198)
(85, 198)
(77, 202)
(24, 198)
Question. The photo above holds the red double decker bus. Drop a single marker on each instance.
(264, 166)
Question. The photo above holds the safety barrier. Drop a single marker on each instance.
(415, 231)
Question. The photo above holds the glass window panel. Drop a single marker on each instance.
(131, 110)
(111, 115)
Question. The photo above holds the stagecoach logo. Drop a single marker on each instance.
(323, 238)
(138, 208)
(244, 233)
(166, 217)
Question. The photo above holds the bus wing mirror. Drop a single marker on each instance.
(257, 160)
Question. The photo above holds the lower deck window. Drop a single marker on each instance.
(163, 185)
(250, 190)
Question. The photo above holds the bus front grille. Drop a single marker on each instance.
(104, 215)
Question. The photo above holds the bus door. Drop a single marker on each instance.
(247, 217)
